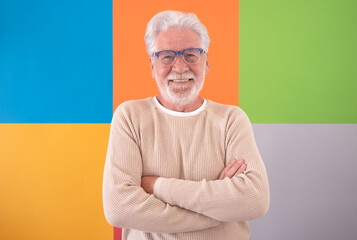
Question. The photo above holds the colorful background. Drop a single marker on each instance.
(65, 65)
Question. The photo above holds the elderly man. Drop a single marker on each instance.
(179, 166)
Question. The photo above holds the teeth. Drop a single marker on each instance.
(180, 80)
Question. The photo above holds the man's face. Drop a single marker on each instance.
(180, 83)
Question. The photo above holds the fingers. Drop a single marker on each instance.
(224, 171)
(234, 168)
(242, 168)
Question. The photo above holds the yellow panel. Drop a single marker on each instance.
(51, 181)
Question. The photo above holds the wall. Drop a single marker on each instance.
(55, 112)
(297, 83)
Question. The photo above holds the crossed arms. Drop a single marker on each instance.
(234, 168)
(239, 194)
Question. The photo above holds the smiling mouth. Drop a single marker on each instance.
(181, 80)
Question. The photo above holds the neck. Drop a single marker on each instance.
(190, 107)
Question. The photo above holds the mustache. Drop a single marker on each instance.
(185, 75)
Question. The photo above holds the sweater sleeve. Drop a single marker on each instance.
(125, 203)
(238, 198)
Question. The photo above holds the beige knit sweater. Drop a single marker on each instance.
(188, 151)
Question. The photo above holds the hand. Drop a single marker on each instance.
(147, 183)
(234, 168)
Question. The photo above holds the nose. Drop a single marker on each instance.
(180, 66)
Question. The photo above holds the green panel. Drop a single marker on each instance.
(298, 61)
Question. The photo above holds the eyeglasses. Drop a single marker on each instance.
(189, 55)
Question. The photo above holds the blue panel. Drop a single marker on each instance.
(56, 61)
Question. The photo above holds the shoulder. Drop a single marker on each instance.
(134, 109)
(134, 106)
(225, 112)
(235, 120)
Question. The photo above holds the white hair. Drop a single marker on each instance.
(170, 19)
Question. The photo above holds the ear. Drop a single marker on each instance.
(152, 67)
(207, 65)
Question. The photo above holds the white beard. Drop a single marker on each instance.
(173, 95)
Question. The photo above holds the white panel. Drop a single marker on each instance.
(312, 170)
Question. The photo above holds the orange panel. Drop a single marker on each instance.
(131, 69)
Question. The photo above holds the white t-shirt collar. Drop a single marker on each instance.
(180, 114)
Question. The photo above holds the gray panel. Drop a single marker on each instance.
(312, 170)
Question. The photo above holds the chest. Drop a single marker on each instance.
(185, 150)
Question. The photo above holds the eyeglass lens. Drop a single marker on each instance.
(189, 56)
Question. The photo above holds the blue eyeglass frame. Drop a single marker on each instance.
(177, 53)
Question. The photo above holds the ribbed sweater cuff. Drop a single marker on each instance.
(157, 186)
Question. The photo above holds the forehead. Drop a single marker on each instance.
(177, 39)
